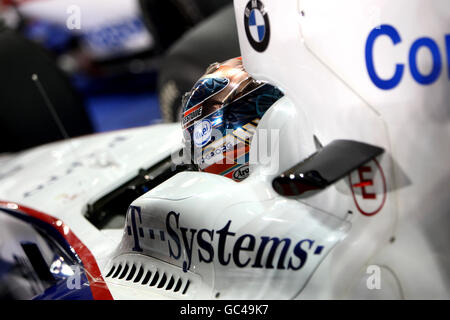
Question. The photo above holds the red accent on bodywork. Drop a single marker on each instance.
(365, 194)
(97, 284)
(383, 180)
(363, 184)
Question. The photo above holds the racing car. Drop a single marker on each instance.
(315, 166)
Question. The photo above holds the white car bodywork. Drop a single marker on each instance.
(222, 232)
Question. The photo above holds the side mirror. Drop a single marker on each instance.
(325, 167)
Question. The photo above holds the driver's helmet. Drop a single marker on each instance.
(220, 116)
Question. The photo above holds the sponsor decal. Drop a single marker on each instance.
(211, 245)
(257, 27)
(192, 115)
(426, 44)
(99, 159)
(368, 186)
(133, 229)
(11, 172)
(214, 155)
(202, 133)
(54, 178)
(241, 173)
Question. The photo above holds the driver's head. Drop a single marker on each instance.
(220, 115)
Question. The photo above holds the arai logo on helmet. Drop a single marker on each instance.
(257, 28)
(202, 133)
(241, 173)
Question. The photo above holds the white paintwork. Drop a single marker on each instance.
(317, 59)
(206, 201)
(105, 162)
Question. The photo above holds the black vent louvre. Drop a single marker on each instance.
(139, 275)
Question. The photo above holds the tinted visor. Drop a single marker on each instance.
(204, 89)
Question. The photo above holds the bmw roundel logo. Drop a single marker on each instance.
(257, 28)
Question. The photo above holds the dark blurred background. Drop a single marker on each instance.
(103, 65)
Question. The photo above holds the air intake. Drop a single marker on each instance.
(142, 271)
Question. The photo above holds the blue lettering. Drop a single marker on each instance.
(268, 249)
(207, 246)
(392, 33)
(172, 233)
(275, 243)
(223, 233)
(238, 247)
(188, 247)
(447, 47)
(435, 71)
(301, 254)
(133, 211)
(420, 78)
